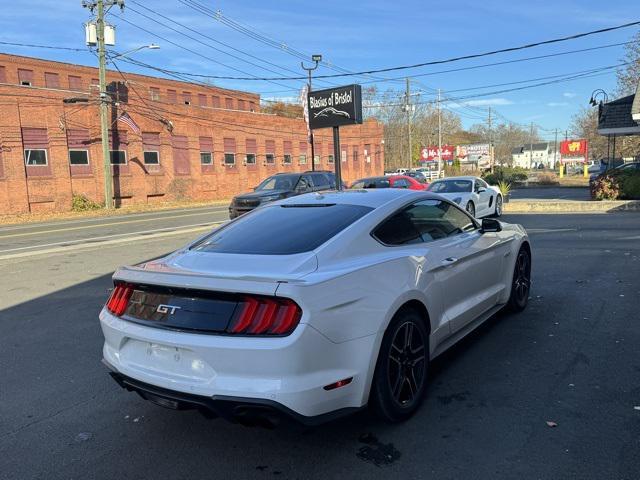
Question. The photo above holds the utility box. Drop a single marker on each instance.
(91, 34)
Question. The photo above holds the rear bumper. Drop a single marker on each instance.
(289, 372)
(246, 411)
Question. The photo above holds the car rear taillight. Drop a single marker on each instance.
(265, 316)
(119, 299)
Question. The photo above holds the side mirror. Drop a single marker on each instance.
(491, 225)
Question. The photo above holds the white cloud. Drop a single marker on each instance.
(568, 94)
(557, 104)
(489, 101)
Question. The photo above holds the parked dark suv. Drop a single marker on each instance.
(281, 185)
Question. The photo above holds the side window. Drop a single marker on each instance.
(482, 183)
(320, 180)
(304, 184)
(359, 184)
(476, 186)
(422, 222)
(401, 183)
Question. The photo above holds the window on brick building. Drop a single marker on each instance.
(241, 105)
(75, 82)
(252, 106)
(51, 80)
(228, 103)
(172, 96)
(288, 154)
(118, 157)
(25, 77)
(35, 156)
(78, 157)
(355, 154)
(215, 102)
(270, 147)
(3, 75)
(229, 151)
(151, 148)
(251, 150)
(302, 159)
(330, 155)
(206, 151)
(186, 98)
(202, 100)
(154, 94)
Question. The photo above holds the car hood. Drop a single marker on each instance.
(260, 194)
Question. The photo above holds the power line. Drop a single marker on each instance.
(51, 47)
(209, 37)
(448, 60)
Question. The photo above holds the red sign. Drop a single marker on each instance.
(430, 154)
(573, 148)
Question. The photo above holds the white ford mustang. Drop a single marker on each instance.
(313, 306)
(471, 193)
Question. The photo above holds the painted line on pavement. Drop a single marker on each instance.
(71, 221)
(82, 246)
(550, 230)
(42, 232)
(69, 243)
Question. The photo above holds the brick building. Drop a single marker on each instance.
(194, 142)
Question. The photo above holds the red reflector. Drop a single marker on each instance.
(265, 316)
(338, 384)
(119, 299)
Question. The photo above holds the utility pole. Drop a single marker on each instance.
(105, 99)
(531, 146)
(408, 108)
(104, 109)
(316, 59)
(555, 151)
(491, 159)
(439, 135)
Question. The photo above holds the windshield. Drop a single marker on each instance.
(450, 186)
(282, 229)
(279, 182)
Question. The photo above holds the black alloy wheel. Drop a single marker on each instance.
(521, 284)
(401, 372)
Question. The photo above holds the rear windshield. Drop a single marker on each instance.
(282, 230)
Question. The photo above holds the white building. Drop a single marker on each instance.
(531, 156)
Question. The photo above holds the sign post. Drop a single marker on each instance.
(334, 107)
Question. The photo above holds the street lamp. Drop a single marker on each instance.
(151, 46)
(593, 101)
(316, 59)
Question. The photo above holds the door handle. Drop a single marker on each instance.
(449, 261)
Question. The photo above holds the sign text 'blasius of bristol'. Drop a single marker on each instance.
(335, 107)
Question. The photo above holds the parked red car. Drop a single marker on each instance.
(391, 181)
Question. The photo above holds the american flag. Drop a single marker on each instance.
(125, 118)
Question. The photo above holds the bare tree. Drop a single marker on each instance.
(629, 75)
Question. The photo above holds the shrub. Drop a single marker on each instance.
(507, 174)
(547, 179)
(80, 203)
(606, 187)
(629, 185)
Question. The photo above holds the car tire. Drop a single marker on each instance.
(400, 378)
(471, 209)
(498, 207)
(521, 282)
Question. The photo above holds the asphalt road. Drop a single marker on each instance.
(551, 193)
(570, 358)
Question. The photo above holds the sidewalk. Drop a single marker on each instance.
(571, 206)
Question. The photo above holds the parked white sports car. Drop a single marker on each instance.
(313, 306)
(471, 193)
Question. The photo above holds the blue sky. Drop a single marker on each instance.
(359, 35)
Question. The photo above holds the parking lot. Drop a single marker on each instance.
(551, 393)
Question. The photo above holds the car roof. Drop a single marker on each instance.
(373, 198)
(462, 177)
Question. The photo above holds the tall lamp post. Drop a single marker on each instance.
(593, 101)
(316, 59)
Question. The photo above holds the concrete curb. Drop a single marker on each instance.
(571, 206)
